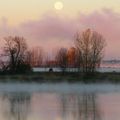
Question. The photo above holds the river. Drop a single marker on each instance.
(59, 101)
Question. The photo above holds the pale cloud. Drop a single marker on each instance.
(51, 30)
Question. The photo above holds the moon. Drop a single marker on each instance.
(58, 5)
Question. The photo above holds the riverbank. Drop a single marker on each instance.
(59, 77)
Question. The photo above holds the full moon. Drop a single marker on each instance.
(58, 5)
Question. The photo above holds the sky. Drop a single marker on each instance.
(43, 25)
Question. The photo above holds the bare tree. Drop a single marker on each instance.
(71, 54)
(61, 58)
(15, 52)
(35, 57)
(28, 58)
(90, 47)
(47, 61)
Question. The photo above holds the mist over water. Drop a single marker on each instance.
(59, 102)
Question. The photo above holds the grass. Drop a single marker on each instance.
(59, 77)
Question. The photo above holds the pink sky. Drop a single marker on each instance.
(52, 31)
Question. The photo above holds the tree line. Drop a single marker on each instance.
(86, 54)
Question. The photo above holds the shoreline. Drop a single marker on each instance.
(59, 78)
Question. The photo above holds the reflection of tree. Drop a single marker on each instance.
(79, 107)
(19, 104)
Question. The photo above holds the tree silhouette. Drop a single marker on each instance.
(90, 47)
(15, 52)
(62, 59)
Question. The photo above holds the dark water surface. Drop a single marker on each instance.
(59, 102)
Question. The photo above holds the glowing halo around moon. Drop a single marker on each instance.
(58, 5)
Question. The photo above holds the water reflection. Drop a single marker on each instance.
(49, 106)
(80, 107)
(18, 106)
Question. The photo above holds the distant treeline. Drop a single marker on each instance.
(86, 54)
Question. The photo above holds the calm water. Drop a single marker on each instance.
(59, 102)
